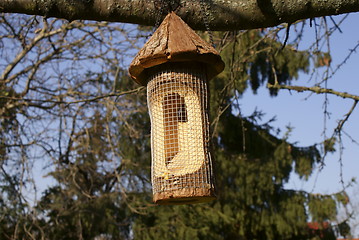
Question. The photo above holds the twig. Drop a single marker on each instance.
(315, 89)
(338, 132)
(30, 101)
(350, 137)
(286, 36)
(341, 123)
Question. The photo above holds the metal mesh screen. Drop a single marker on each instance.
(177, 101)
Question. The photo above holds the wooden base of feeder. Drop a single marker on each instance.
(184, 196)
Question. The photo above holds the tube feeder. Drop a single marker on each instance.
(175, 64)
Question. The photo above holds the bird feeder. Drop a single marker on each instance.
(175, 65)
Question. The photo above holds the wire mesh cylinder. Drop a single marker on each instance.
(181, 162)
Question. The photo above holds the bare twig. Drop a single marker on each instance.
(315, 89)
(37, 102)
(341, 123)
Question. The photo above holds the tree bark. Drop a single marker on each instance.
(220, 14)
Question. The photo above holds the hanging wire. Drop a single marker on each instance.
(163, 6)
(159, 6)
(205, 15)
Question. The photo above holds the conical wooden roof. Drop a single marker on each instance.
(174, 41)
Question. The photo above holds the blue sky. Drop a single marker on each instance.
(304, 111)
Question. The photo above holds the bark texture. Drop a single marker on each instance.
(221, 14)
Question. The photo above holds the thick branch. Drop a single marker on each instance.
(222, 14)
(317, 90)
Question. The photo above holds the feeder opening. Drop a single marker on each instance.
(181, 161)
(174, 111)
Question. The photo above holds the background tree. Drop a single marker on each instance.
(68, 105)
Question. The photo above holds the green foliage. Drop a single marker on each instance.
(8, 119)
(252, 58)
(329, 144)
(322, 208)
(71, 215)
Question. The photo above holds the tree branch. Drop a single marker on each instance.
(341, 123)
(52, 103)
(225, 15)
(317, 90)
